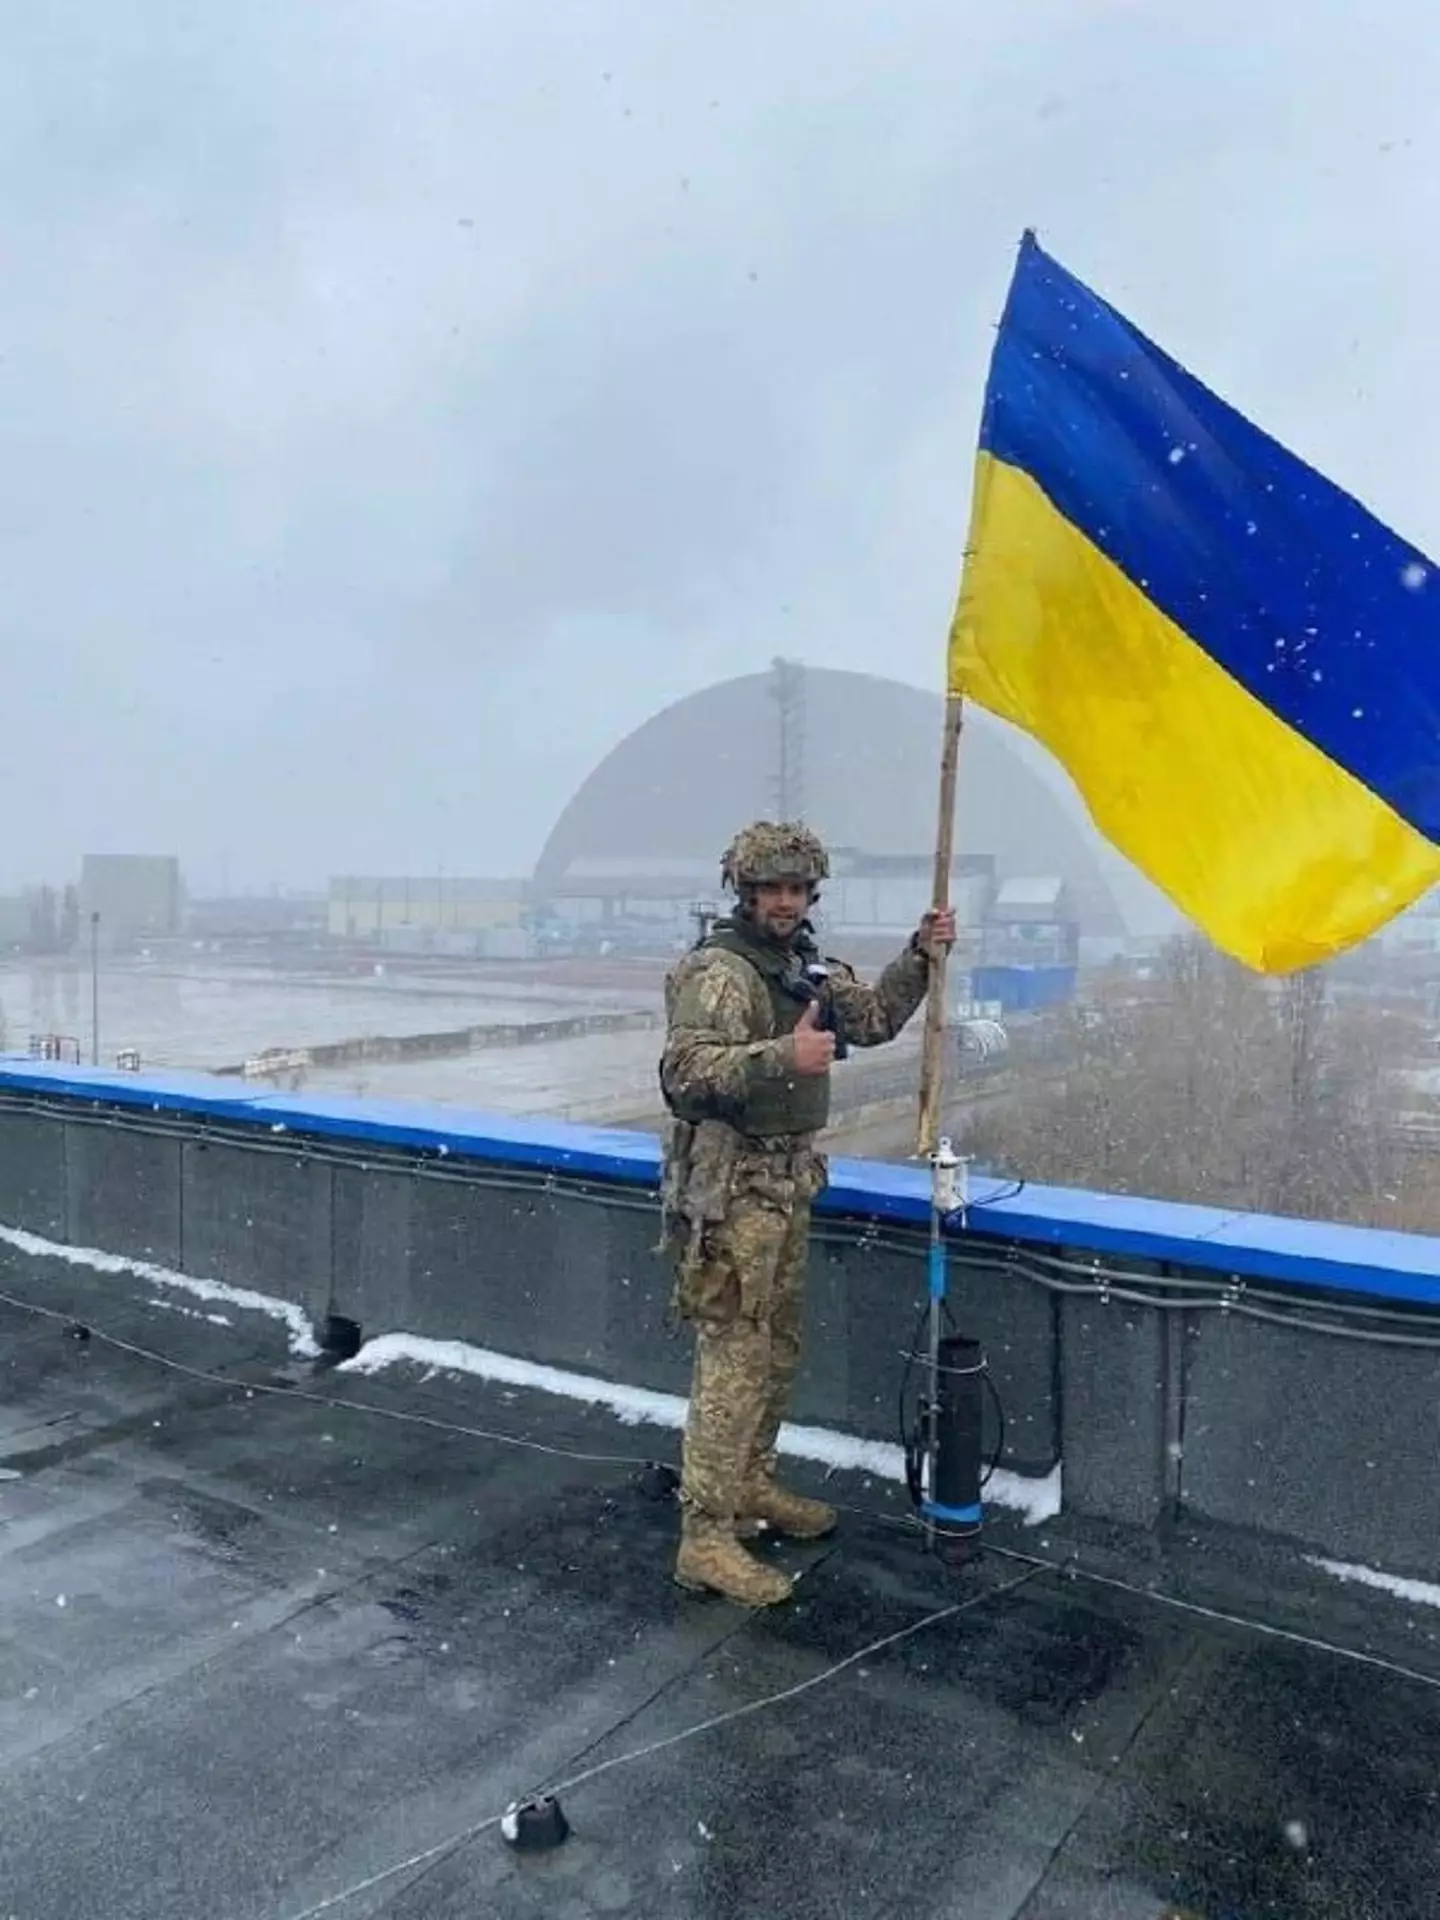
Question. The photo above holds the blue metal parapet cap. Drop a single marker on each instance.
(1399, 1267)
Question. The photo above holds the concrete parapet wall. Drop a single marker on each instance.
(1269, 1374)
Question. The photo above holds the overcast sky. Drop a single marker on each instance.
(403, 398)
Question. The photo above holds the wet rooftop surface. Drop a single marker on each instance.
(255, 1650)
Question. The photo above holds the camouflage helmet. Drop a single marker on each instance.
(773, 850)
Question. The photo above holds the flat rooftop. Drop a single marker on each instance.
(256, 1650)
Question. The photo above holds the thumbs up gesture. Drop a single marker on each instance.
(814, 1049)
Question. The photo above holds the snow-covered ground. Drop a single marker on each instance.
(210, 1014)
(595, 1077)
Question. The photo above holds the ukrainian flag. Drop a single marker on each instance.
(1236, 663)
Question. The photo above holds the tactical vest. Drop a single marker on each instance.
(795, 1103)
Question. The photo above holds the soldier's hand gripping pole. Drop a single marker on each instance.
(932, 1058)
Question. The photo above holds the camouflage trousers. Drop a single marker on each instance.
(744, 1290)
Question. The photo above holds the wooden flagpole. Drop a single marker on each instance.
(932, 1063)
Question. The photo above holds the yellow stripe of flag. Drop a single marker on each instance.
(1236, 663)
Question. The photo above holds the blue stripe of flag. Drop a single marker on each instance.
(1287, 582)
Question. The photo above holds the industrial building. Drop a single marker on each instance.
(634, 858)
(431, 913)
(1027, 950)
(14, 920)
(274, 918)
(137, 896)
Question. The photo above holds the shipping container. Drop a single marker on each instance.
(1024, 989)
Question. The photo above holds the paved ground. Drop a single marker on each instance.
(254, 1650)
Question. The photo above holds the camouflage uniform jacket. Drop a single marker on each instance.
(721, 1040)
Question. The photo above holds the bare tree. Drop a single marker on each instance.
(1212, 1084)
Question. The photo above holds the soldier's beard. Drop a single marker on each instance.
(782, 929)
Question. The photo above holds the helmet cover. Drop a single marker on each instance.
(771, 850)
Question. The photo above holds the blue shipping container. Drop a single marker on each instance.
(1023, 989)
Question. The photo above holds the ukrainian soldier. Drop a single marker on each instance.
(753, 1020)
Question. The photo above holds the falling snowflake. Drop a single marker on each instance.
(1414, 576)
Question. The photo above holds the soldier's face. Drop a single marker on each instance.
(780, 906)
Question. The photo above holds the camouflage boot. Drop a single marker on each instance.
(793, 1514)
(712, 1559)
